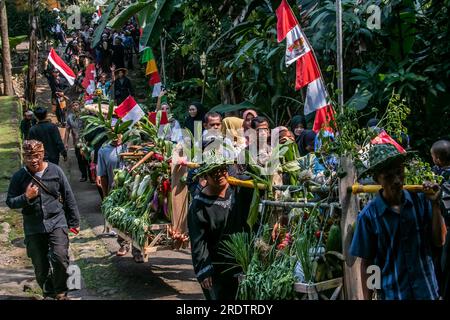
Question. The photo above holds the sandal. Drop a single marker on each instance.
(122, 251)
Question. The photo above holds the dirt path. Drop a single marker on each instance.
(167, 275)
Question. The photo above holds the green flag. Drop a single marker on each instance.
(147, 55)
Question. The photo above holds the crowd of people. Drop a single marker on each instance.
(403, 233)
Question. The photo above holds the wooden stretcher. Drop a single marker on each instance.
(151, 245)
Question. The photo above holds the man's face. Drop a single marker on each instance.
(34, 161)
(214, 123)
(56, 74)
(76, 107)
(121, 74)
(217, 178)
(263, 131)
(392, 178)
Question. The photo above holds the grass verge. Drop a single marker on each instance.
(9, 140)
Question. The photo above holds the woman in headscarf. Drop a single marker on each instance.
(248, 116)
(196, 113)
(302, 135)
(232, 128)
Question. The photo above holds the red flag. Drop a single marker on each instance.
(322, 119)
(164, 119)
(62, 67)
(383, 138)
(307, 70)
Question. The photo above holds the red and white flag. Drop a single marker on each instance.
(89, 79)
(383, 138)
(129, 110)
(323, 118)
(288, 28)
(62, 67)
(307, 68)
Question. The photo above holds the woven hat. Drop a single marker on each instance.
(381, 156)
(213, 163)
(125, 70)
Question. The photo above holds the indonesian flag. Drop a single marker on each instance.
(99, 11)
(383, 138)
(323, 118)
(89, 79)
(62, 67)
(288, 28)
(307, 68)
(129, 110)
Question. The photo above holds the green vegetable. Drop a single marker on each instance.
(334, 241)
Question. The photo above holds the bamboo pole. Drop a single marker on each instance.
(353, 289)
(359, 188)
(292, 204)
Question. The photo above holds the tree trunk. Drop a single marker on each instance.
(30, 92)
(350, 208)
(6, 53)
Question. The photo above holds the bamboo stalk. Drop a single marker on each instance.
(145, 158)
(132, 154)
(359, 188)
(285, 204)
(245, 183)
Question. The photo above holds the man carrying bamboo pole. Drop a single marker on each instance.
(395, 231)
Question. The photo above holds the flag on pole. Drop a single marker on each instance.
(288, 28)
(323, 118)
(307, 69)
(151, 70)
(129, 110)
(89, 79)
(62, 67)
(99, 11)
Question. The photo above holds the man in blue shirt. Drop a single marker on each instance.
(395, 231)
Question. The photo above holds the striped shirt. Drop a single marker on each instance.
(400, 244)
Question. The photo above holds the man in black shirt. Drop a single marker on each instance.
(25, 125)
(57, 85)
(49, 135)
(122, 86)
(216, 212)
(49, 209)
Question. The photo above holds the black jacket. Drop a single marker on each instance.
(122, 90)
(44, 213)
(49, 135)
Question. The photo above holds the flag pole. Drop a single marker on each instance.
(339, 58)
(162, 57)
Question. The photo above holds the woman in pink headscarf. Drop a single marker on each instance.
(248, 116)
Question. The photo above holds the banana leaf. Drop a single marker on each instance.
(103, 21)
(119, 20)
